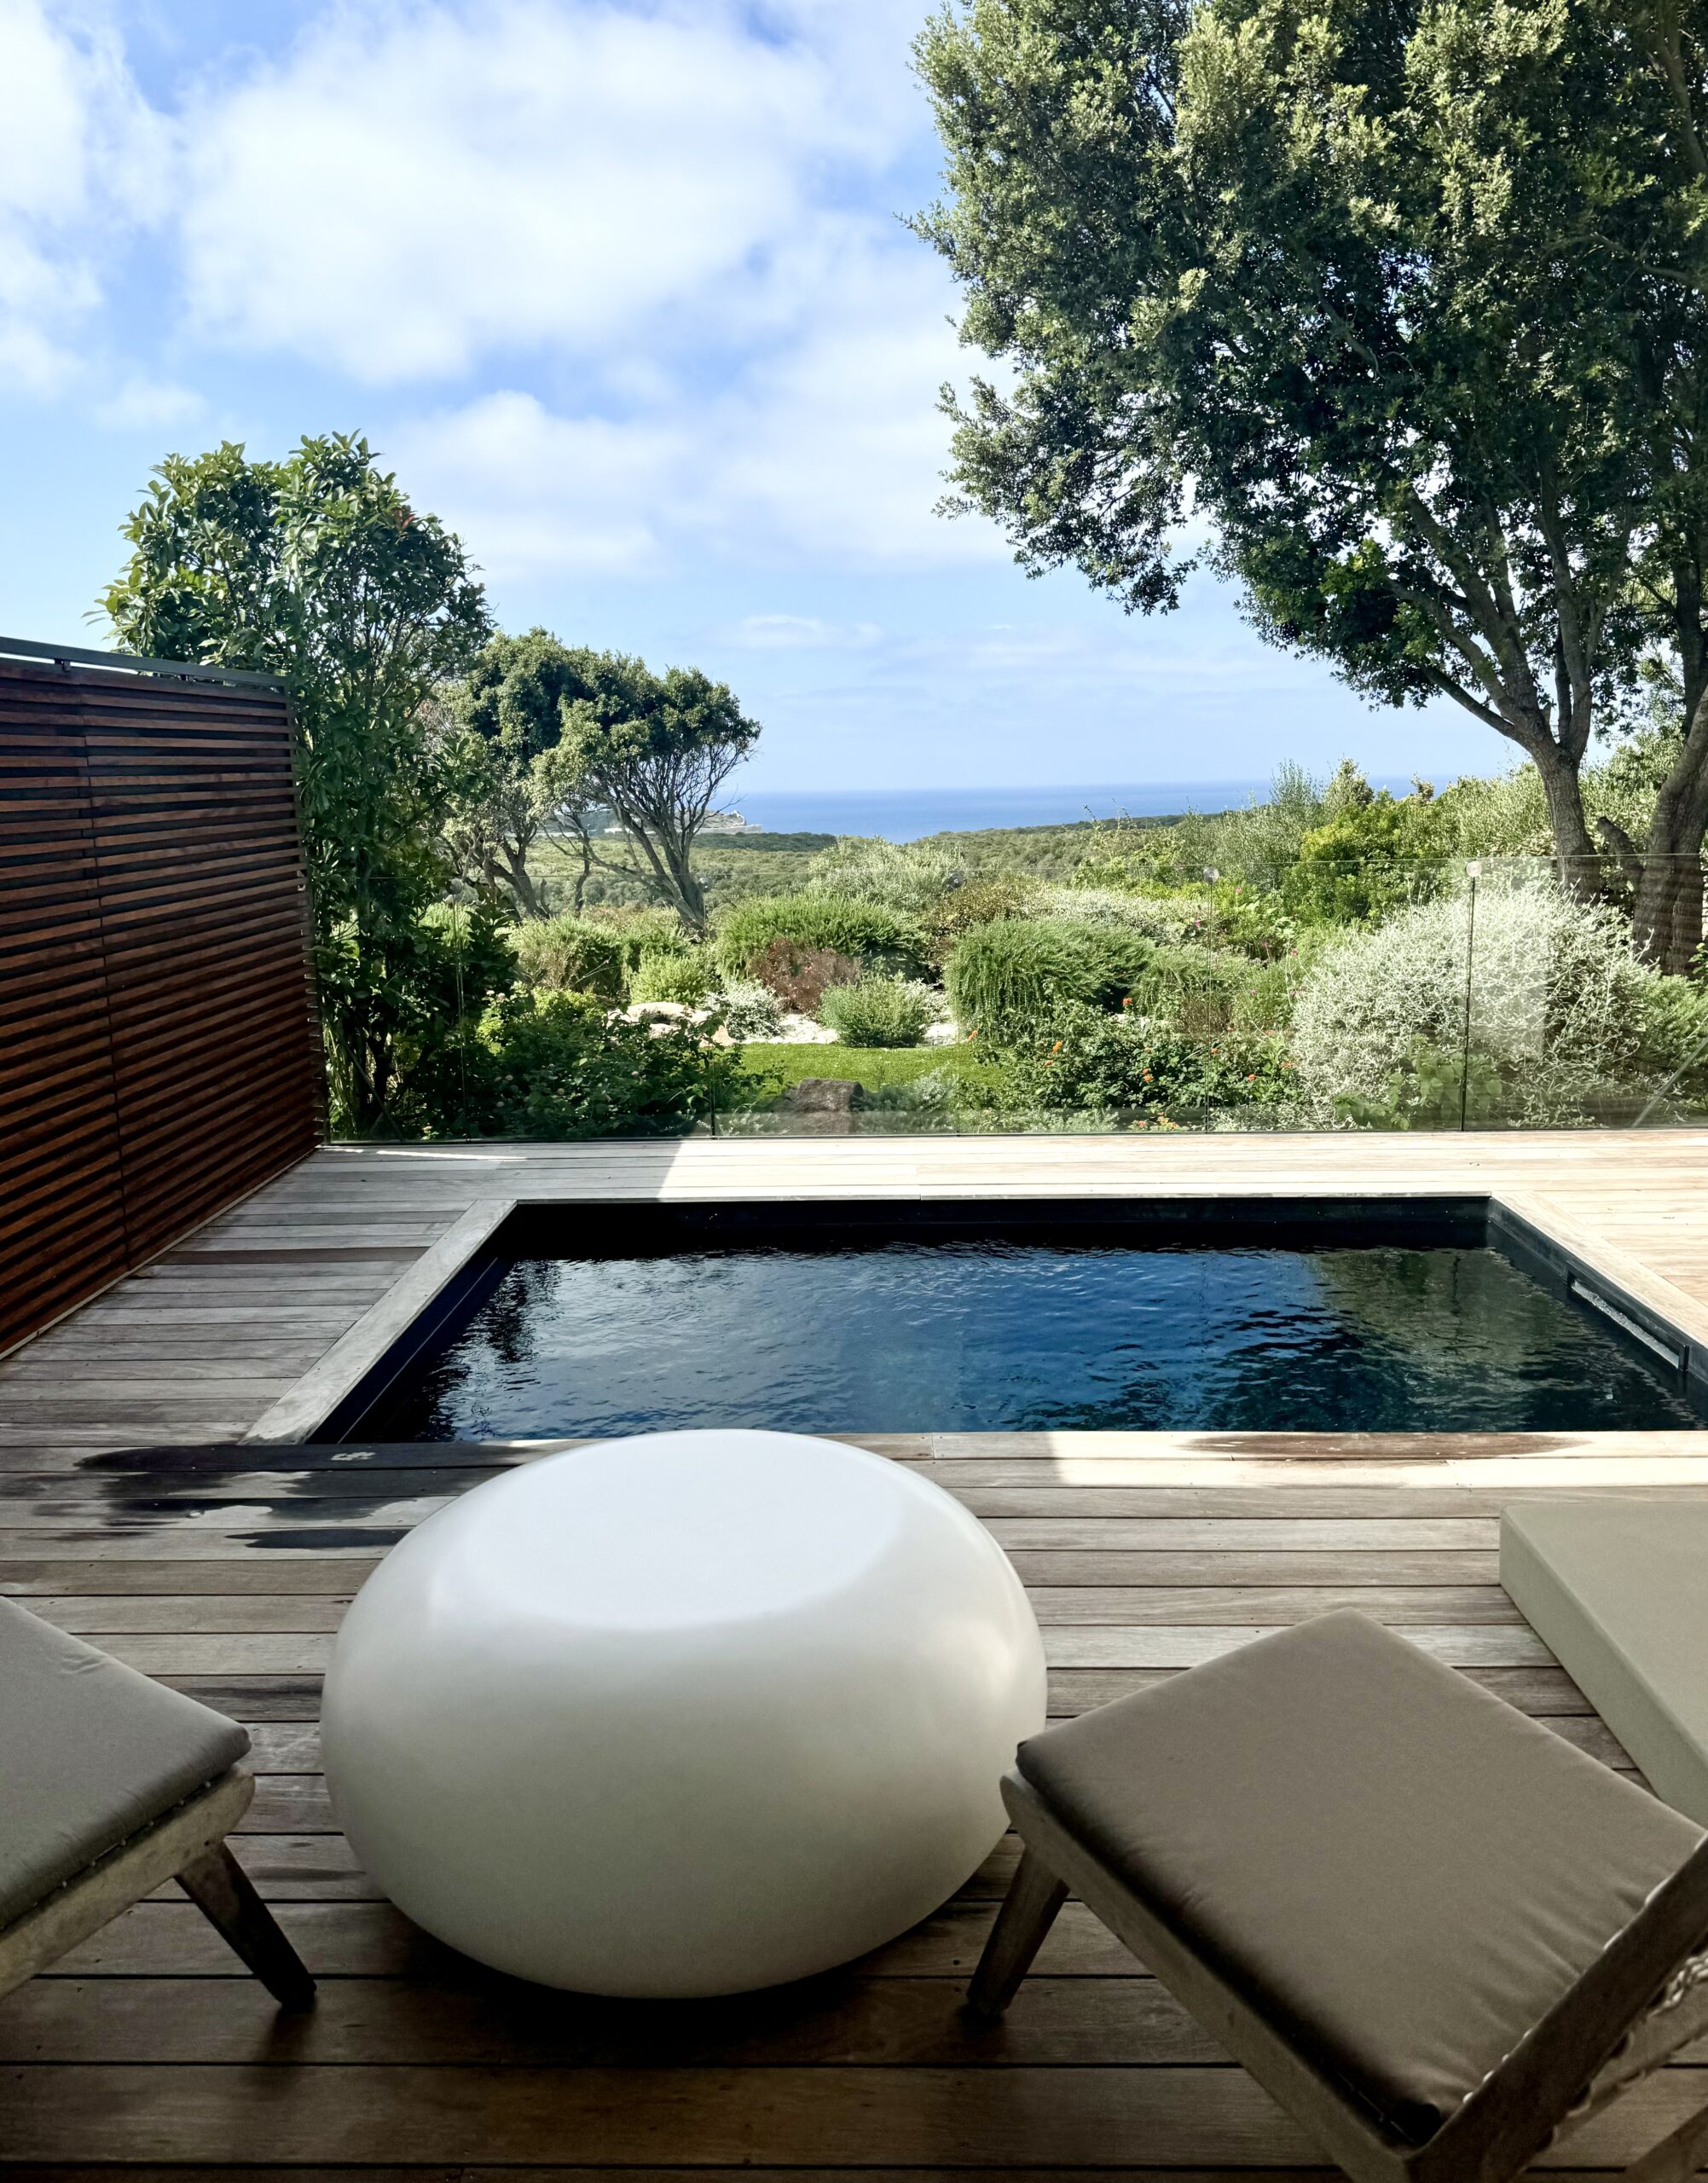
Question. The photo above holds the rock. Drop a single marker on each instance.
(821, 1095)
(941, 1034)
(661, 1012)
(803, 1031)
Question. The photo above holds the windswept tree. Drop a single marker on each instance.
(319, 570)
(1404, 303)
(567, 732)
(515, 784)
(655, 750)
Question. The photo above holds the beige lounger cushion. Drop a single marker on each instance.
(1617, 1590)
(1399, 1871)
(90, 1751)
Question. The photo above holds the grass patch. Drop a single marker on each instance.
(872, 1066)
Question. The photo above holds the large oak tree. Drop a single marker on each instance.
(1403, 302)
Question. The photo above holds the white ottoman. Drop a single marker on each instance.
(684, 1714)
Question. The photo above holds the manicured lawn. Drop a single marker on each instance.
(869, 1065)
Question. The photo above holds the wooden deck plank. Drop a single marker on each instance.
(150, 2055)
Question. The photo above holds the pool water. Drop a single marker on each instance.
(990, 1336)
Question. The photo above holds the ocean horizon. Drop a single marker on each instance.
(905, 814)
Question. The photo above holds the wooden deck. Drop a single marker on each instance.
(225, 1567)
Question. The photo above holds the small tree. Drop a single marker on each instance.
(656, 749)
(515, 784)
(318, 569)
(555, 733)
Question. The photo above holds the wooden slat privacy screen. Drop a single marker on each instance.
(158, 1053)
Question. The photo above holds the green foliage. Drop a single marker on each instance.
(1192, 989)
(679, 976)
(1371, 858)
(655, 750)
(571, 955)
(408, 1003)
(559, 1066)
(1254, 921)
(878, 1011)
(874, 1067)
(1407, 302)
(867, 932)
(985, 899)
(1434, 1088)
(1558, 1005)
(318, 569)
(1095, 1062)
(642, 929)
(1008, 979)
(908, 876)
(748, 1010)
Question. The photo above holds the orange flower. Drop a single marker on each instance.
(1056, 1048)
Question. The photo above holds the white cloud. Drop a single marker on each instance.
(800, 632)
(642, 250)
(528, 490)
(825, 445)
(81, 159)
(141, 405)
(414, 185)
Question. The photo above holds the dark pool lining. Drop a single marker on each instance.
(587, 1232)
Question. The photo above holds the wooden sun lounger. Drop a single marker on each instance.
(111, 1783)
(1434, 1932)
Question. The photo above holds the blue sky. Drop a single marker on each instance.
(623, 292)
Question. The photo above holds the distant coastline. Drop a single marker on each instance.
(904, 814)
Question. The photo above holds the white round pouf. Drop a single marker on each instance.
(685, 1714)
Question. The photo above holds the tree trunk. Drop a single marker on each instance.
(583, 875)
(1666, 917)
(1580, 866)
(1667, 913)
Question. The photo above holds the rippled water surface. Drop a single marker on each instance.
(988, 1337)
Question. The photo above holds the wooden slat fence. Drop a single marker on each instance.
(159, 1051)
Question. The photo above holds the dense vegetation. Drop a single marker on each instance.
(1405, 302)
(1330, 956)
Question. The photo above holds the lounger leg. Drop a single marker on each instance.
(1027, 1915)
(1677, 2159)
(220, 1888)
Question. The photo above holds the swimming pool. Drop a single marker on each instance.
(1000, 1318)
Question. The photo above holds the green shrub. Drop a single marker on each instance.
(748, 1010)
(408, 1003)
(1369, 860)
(561, 1068)
(869, 932)
(878, 1011)
(1266, 999)
(643, 930)
(907, 876)
(1253, 921)
(1009, 979)
(1101, 1063)
(683, 977)
(871, 1065)
(1673, 1048)
(986, 897)
(1560, 1008)
(570, 955)
(1192, 989)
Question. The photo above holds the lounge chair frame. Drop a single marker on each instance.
(1642, 2000)
(188, 1845)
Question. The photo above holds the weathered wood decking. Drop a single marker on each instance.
(226, 1570)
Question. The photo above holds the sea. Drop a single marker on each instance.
(904, 814)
